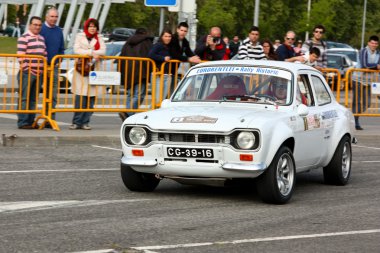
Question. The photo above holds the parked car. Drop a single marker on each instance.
(121, 34)
(233, 120)
(352, 53)
(333, 44)
(339, 61)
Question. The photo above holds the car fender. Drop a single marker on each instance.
(273, 138)
(340, 129)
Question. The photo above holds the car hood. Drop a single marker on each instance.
(221, 118)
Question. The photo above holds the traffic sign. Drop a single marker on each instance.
(160, 3)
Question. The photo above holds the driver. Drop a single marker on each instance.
(280, 88)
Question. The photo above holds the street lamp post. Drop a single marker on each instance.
(363, 25)
(308, 20)
(256, 13)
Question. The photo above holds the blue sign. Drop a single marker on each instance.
(160, 3)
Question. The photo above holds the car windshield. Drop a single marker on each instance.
(334, 61)
(262, 85)
(351, 54)
(113, 49)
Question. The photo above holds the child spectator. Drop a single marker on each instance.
(310, 58)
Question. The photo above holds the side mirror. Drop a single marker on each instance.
(302, 110)
(165, 103)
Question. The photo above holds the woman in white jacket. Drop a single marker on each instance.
(92, 44)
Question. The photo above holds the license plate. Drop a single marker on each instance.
(190, 152)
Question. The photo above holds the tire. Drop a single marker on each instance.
(338, 171)
(277, 183)
(137, 181)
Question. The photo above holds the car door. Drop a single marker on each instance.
(309, 135)
(327, 114)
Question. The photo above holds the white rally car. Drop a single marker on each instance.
(231, 120)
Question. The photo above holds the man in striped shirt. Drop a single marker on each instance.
(31, 71)
(251, 49)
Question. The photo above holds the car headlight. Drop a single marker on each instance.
(137, 135)
(245, 140)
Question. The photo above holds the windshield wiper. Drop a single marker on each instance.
(249, 98)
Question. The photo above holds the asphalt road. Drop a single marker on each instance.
(71, 199)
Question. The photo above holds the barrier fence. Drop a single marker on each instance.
(142, 86)
(23, 92)
(362, 92)
(98, 92)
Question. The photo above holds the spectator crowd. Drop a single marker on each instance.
(46, 39)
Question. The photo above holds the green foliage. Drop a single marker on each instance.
(8, 45)
(217, 13)
(342, 18)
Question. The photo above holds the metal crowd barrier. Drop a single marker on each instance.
(11, 86)
(60, 82)
(362, 92)
(109, 96)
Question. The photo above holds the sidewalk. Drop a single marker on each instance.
(106, 132)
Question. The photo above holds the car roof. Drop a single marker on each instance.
(294, 67)
(337, 54)
(334, 44)
(342, 49)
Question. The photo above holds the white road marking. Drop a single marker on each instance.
(116, 149)
(265, 239)
(27, 206)
(366, 161)
(63, 170)
(97, 251)
(105, 115)
(365, 147)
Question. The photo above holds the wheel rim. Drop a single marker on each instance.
(346, 160)
(285, 174)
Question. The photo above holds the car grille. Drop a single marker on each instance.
(188, 138)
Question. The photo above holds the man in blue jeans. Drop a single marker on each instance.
(369, 58)
(31, 72)
(134, 75)
(55, 46)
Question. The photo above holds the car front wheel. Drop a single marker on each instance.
(338, 171)
(277, 183)
(137, 181)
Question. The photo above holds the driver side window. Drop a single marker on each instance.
(321, 94)
(304, 94)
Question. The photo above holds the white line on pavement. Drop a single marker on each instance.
(265, 239)
(97, 251)
(366, 161)
(117, 149)
(365, 147)
(26, 206)
(105, 115)
(63, 170)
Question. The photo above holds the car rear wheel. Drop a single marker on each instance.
(338, 171)
(277, 183)
(137, 181)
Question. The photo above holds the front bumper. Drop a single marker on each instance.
(194, 168)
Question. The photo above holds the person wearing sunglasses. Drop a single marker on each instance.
(280, 91)
(286, 51)
(316, 41)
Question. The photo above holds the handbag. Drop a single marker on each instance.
(84, 66)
